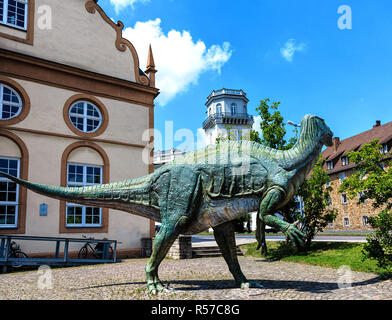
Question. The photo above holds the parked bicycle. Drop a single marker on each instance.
(96, 251)
(15, 252)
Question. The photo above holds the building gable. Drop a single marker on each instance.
(76, 33)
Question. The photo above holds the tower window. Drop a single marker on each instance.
(219, 109)
(233, 109)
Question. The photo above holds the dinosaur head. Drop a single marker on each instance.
(313, 126)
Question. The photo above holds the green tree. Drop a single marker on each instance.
(372, 179)
(316, 196)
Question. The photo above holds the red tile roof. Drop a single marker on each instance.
(341, 148)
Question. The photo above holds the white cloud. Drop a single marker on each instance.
(290, 48)
(178, 58)
(121, 4)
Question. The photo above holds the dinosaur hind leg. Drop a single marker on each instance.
(177, 208)
(225, 238)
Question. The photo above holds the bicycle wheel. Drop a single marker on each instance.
(83, 253)
(18, 255)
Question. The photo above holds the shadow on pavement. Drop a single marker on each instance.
(302, 286)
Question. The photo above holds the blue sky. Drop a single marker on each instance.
(343, 76)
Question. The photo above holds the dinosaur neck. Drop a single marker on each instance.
(304, 154)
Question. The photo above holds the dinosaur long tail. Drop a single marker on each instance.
(105, 195)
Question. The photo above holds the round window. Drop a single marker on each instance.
(10, 103)
(85, 116)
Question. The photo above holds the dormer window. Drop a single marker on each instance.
(330, 165)
(384, 148)
(344, 161)
(14, 13)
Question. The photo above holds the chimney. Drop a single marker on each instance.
(378, 123)
(336, 143)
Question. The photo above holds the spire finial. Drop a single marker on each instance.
(150, 71)
(150, 59)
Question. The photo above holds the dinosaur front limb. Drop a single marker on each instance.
(225, 238)
(267, 208)
(163, 241)
(260, 236)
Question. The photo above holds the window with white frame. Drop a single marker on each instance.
(330, 165)
(344, 161)
(80, 175)
(85, 116)
(365, 221)
(9, 192)
(346, 222)
(219, 109)
(344, 198)
(384, 148)
(233, 109)
(14, 13)
(10, 102)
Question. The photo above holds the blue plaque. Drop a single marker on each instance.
(43, 209)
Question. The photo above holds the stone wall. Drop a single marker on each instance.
(351, 209)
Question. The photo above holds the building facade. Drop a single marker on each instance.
(351, 215)
(227, 114)
(165, 156)
(74, 105)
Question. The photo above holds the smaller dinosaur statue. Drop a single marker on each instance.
(209, 188)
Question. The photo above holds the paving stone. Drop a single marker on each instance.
(199, 279)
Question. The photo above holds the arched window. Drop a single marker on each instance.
(233, 109)
(83, 163)
(83, 175)
(219, 109)
(9, 193)
(14, 161)
(10, 102)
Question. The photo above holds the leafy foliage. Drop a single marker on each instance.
(316, 195)
(379, 243)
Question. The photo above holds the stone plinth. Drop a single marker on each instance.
(146, 247)
(181, 248)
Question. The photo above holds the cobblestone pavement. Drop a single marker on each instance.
(205, 278)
